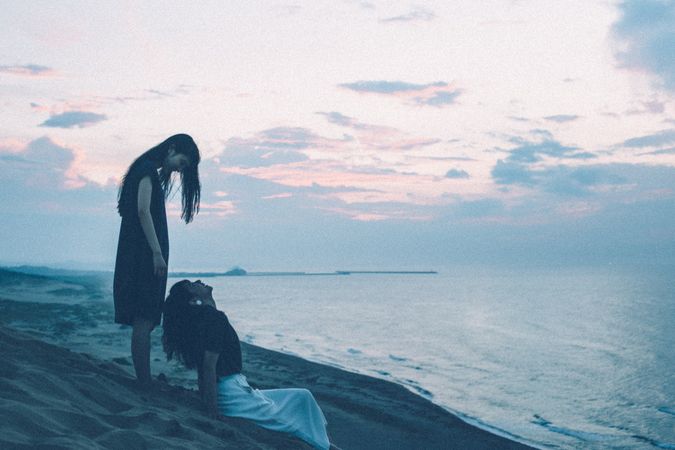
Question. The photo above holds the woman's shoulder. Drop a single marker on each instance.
(215, 321)
(212, 316)
(144, 168)
(213, 327)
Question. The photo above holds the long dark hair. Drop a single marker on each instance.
(182, 337)
(189, 177)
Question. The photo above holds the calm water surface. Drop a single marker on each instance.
(570, 358)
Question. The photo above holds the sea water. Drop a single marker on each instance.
(553, 357)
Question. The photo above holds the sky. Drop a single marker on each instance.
(345, 135)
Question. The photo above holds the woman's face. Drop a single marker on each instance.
(176, 162)
(202, 292)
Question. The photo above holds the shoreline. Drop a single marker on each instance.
(363, 411)
(416, 391)
(323, 379)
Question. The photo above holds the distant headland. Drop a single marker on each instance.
(240, 272)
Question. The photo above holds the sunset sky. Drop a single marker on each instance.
(345, 134)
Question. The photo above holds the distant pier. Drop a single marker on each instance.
(387, 272)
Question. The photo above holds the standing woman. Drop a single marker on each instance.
(143, 247)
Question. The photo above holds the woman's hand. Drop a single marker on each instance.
(159, 264)
(209, 384)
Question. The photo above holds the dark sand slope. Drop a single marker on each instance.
(54, 398)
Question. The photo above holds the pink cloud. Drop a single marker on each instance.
(373, 187)
(435, 94)
(47, 162)
(40, 108)
(369, 196)
(276, 196)
(376, 137)
(395, 142)
(376, 216)
(360, 216)
(323, 173)
(219, 209)
(352, 170)
(74, 178)
(28, 70)
(12, 145)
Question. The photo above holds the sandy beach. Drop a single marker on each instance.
(55, 397)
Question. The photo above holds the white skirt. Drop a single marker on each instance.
(291, 411)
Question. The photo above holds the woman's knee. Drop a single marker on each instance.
(307, 395)
(142, 326)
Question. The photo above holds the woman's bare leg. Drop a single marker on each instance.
(140, 349)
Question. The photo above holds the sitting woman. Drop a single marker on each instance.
(201, 337)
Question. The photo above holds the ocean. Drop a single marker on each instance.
(554, 357)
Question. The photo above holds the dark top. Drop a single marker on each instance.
(220, 337)
(136, 290)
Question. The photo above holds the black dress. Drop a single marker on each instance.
(218, 336)
(136, 290)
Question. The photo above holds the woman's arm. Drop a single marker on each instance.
(200, 382)
(208, 384)
(144, 197)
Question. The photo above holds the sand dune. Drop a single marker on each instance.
(51, 397)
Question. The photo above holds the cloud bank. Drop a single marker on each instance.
(665, 137)
(645, 37)
(439, 93)
(28, 70)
